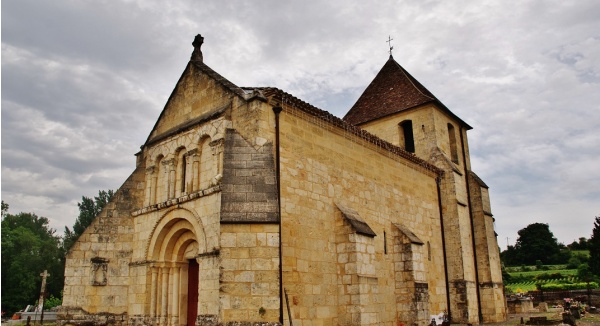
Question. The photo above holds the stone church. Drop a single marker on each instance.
(249, 206)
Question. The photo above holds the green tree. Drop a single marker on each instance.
(594, 247)
(509, 256)
(29, 246)
(582, 244)
(89, 208)
(584, 273)
(4, 208)
(575, 261)
(536, 242)
(506, 278)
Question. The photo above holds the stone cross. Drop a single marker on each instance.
(44, 275)
(197, 53)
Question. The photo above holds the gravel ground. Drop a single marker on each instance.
(588, 320)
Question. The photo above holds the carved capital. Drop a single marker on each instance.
(217, 142)
(151, 169)
(216, 146)
(192, 152)
(170, 162)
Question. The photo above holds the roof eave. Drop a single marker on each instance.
(436, 101)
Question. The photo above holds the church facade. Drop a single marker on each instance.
(248, 206)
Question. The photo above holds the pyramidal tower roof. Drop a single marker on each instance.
(393, 90)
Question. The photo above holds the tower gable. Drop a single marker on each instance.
(393, 90)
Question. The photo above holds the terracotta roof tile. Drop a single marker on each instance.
(393, 90)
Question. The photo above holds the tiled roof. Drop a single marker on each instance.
(393, 90)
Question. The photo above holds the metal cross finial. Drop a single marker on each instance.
(390, 39)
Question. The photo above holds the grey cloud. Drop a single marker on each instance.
(108, 33)
(93, 78)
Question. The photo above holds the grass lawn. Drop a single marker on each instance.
(530, 283)
(533, 274)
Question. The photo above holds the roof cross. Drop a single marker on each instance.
(390, 39)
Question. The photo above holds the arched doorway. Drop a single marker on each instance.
(173, 248)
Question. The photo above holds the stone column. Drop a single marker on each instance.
(175, 296)
(164, 295)
(171, 183)
(196, 174)
(153, 293)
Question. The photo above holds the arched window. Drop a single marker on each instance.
(452, 140)
(406, 136)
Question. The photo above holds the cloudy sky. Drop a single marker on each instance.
(84, 81)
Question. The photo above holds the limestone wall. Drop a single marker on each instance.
(254, 121)
(441, 140)
(411, 286)
(249, 287)
(249, 182)
(135, 260)
(97, 266)
(177, 228)
(430, 132)
(320, 166)
(423, 126)
(488, 254)
(459, 249)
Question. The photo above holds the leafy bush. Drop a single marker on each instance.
(538, 265)
(549, 276)
(574, 262)
(52, 302)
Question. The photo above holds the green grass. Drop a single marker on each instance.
(520, 287)
(526, 281)
(553, 268)
(533, 274)
(531, 285)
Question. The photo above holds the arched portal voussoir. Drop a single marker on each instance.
(173, 233)
(169, 227)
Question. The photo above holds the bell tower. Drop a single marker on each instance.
(399, 109)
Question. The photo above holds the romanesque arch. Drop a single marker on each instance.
(174, 245)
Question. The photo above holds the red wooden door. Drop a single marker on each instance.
(192, 304)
